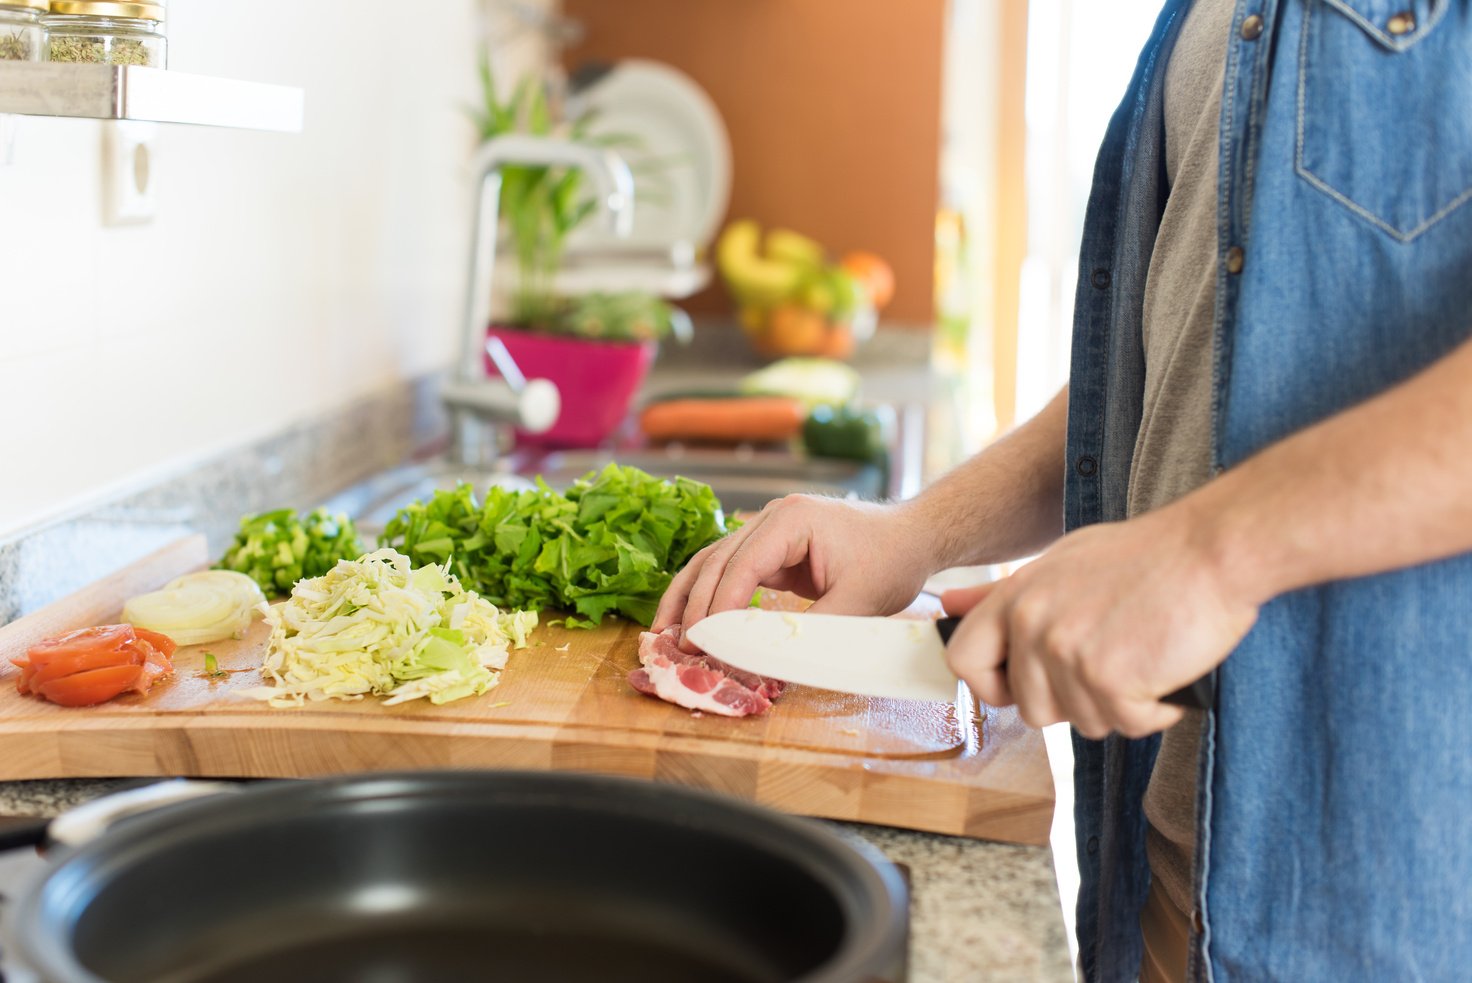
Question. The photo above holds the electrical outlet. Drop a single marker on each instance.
(128, 196)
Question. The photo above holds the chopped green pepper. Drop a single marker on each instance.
(278, 548)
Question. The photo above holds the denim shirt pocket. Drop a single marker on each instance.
(1384, 113)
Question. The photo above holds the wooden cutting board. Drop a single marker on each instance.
(563, 704)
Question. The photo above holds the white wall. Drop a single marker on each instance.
(283, 274)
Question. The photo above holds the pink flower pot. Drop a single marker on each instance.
(597, 380)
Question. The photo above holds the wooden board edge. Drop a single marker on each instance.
(807, 783)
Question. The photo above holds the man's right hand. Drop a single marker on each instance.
(859, 558)
(849, 557)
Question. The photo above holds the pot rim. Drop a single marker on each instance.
(859, 875)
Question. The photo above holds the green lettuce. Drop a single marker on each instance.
(610, 544)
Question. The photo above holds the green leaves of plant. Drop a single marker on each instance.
(541, 206)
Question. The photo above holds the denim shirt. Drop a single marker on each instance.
(1335, 797)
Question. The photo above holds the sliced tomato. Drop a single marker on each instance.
(152, 673)
(81, 640)
(156, 662)
(163, 643)
(91, 665)
(85, 689)
(26, 672)
(156, 665)
(83, 662)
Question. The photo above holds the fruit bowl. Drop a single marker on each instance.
(793, 300)
(793, 329)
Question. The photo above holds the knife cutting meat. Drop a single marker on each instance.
(888, 657)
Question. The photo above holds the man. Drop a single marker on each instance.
(1260, 470)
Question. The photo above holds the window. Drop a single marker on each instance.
(1081, 54)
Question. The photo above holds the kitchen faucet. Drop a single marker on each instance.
(472, 396)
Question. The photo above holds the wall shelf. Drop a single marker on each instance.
(131, 92)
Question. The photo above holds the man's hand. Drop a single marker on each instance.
(853, 558)
(1100, 627)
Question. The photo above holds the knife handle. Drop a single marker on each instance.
(1198, 696)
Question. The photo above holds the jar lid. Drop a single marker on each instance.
(108, 8)
(29, 4)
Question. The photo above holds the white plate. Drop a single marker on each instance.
(677, 123)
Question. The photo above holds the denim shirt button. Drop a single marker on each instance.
(1101, 279)
(1251, 27)
(1092, 846)
(1197, 921)
(1236, 259)
(1401, 23)
(1088, 466)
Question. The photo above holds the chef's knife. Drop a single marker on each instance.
(894, 657)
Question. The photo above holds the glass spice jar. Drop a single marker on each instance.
(107, 33)
(22, 38)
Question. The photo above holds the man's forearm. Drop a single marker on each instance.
(1384, 485)
(1005, 502)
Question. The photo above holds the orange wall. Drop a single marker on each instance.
(833, 108)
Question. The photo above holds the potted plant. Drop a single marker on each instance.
(598, 347)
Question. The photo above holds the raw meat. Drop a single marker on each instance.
(699, 682)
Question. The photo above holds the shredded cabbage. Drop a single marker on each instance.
(376, 625)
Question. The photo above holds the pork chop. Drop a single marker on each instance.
(699, 681)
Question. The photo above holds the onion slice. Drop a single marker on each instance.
(198, 607)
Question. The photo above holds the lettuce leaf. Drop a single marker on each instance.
(608, 545)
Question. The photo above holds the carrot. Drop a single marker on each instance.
(757, 419)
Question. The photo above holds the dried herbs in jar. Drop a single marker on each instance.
(22, 38)
(107, 33)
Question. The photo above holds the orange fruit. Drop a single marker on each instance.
(874, 273)
(838, 342)
(795, 330)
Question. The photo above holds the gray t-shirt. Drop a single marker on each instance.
(1173, 449)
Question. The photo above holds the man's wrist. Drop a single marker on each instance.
(1228, 543)
(920, 528)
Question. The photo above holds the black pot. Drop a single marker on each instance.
(465, 876)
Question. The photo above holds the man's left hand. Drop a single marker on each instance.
(1100, 627)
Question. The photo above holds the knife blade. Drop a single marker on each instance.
(893, 657)
(898, 658)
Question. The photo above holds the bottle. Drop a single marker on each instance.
(22, 38)
(106, 32)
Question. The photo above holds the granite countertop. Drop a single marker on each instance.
(979, 910)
